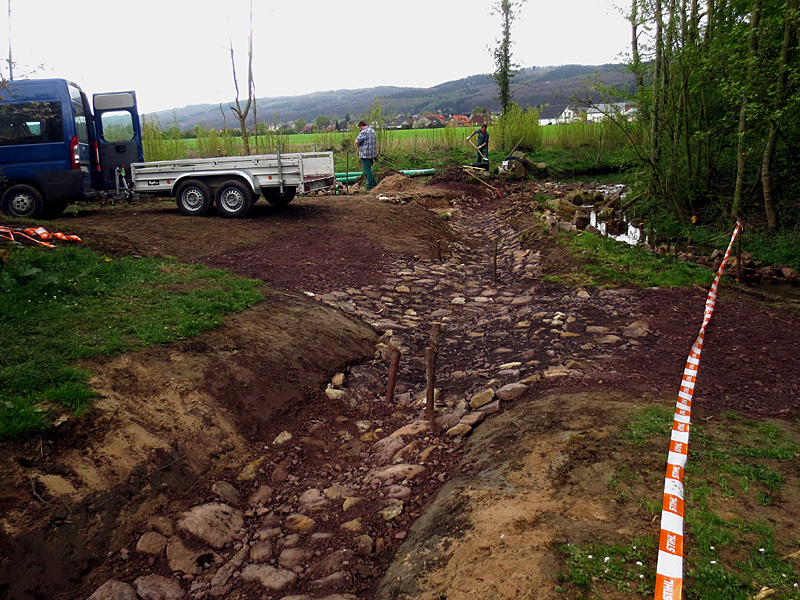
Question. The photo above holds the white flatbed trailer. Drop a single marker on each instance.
(234, 183)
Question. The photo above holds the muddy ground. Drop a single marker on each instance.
(339, 272)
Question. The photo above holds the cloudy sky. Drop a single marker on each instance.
(176, 53)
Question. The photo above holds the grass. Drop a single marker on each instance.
(608, 262)
(405, 148)
(734, 486)
(622, 566)
(61, 306)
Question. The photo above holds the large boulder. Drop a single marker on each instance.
(581, 220)
(564, 207)
(518, 166)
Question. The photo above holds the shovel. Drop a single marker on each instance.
(495, 190)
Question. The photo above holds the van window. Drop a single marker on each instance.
(30, 123)
(117, 126)
(79, 110)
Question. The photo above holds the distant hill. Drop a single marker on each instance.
(533, 86)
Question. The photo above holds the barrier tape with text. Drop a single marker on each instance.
(669, 570)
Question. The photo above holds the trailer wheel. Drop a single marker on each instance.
(274, 196)
(193, 198)
(22, 201)
(234, 199)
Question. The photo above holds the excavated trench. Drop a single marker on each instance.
(329, 480)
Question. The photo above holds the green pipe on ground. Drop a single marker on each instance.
(409, 172)
(418, 172)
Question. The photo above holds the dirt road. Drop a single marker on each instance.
(262, 460)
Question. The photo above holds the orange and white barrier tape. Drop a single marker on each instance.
(669, 571)
(31, 233)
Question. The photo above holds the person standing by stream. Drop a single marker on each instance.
(367, 142)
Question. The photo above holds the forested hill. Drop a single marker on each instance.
(533, 86)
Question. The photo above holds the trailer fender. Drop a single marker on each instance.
(216, 178)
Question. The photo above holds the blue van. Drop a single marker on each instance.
(54, 150)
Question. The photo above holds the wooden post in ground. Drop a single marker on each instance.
(393, 366)
(347, 171)
(431, 354)
(494, 261)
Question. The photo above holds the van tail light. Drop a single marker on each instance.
(97, 157)
(76, 153)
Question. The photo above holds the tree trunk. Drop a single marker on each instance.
(741, 147)
(658, 85)
(241, 113)
(780, 89)
(636, 59)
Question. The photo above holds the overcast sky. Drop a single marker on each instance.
(176, 53)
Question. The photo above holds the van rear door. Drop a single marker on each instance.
(79, 145)
(119, 134)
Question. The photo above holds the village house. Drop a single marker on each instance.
(459, 121)
(550, 114)
(436, 119)
(478, 119)
(590, 113)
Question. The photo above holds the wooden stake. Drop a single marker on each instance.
(393, 366)
(494, 261)
(431, 354)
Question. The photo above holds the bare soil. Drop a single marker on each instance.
(171, 420)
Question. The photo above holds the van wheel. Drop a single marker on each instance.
(22, 201)
(274, 196)
(193, 198)
(234, 199)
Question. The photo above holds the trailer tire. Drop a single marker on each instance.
(22, 202)
(194, 198)
(234, 199)
(274, 196)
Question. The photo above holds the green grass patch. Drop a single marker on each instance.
(608, 262)
(620, 565)
(60, 306)
(645, 423)
(735, 544)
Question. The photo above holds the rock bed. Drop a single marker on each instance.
(320, 512)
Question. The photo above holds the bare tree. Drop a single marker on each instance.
(242, 113)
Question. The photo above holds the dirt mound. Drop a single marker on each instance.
(451, 175)
(396, 182)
